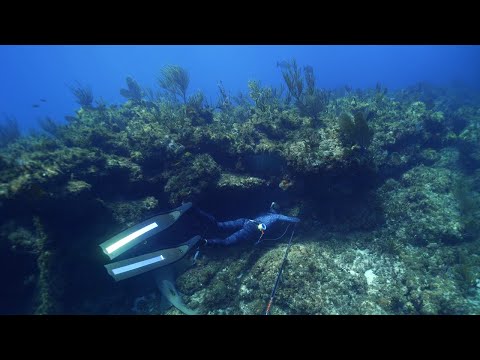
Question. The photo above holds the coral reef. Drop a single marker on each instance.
(386, 184)
(133, 91)
(175, 80)
(83, 94)
(423, 207)
(193, 177)
(238, 182)
(334, 275)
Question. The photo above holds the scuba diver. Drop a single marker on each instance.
(145, 236)
(156, 247)
(246, 229)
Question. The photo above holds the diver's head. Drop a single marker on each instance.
(262, 227)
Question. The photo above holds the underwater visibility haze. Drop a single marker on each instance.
(242, 180)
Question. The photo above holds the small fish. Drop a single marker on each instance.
(43, 100)
(35, 105)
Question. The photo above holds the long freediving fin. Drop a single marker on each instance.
(134, 235)
(125, 269)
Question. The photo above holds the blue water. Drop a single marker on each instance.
(31, 73)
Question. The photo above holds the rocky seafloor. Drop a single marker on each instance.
(387, 186)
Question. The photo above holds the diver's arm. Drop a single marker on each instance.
(270, 219)
(280, 217)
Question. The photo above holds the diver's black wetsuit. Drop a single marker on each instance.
(245, 229)
(155, 243)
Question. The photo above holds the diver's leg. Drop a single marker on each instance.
(232, 225)
(232, 239)
(248, 231)
(220, 225)
(205, 217)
